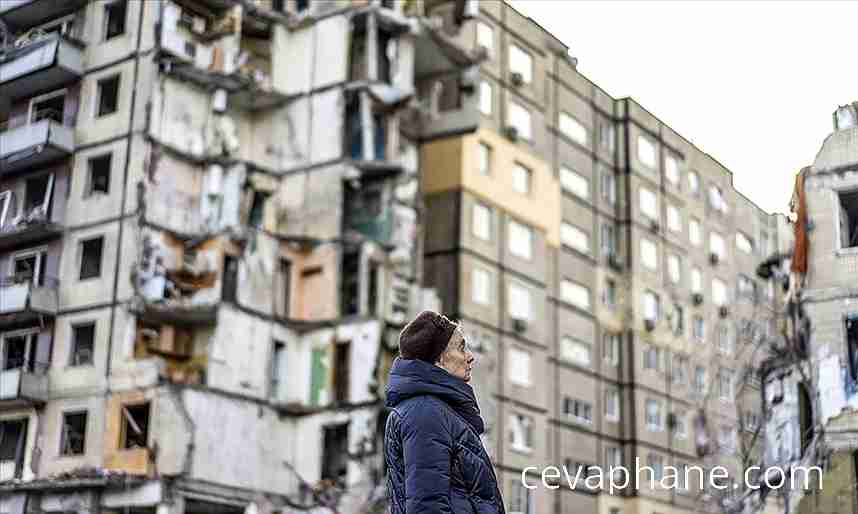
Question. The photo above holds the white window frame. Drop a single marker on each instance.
(487, 96)
(611, 340)
(484, 159)
(651, 302)
(744, 243)
(574, 182)
(521, 118)
(671, 169)
(654, 420)
(696, 280)
(674, 218)
(720, 293)
(42, 98)
(608, 183)
(576, 294)
(515, 230)
(571, 349)
(717, 245)
(5, 200)
(574, 237)
(649, 254)
(522, 179)
(612, 396)
(674, 268)
(681, 429)
(519, 292)
(40, 252)
(520, 61)
(695, 232)
(648, 203)
(693, 183)
(572, 128)
(31, 336)
(485, 213)
(647, 154)
(485, 36)
(525, 423)
(481, 285)
(519, 367)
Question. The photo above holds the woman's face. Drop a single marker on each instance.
(457, 359)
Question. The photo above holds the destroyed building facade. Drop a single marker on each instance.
(210, 237)
(811, 385)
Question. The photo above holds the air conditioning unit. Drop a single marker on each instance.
(615, 261)
(654, 226)
(713, 258)
(517, 79)
(511, 133)
(649, 324)
(723, 311)
(519, 325)
(697, 298)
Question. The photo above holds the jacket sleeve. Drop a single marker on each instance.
(427, 448)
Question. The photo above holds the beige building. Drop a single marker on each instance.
(605, 268)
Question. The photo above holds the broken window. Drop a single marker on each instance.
(257, 209)
(318, 376)
(372, 289)
(350, 287)
(279, 5)
(848, 218)
(36, 189)
(230, 279)
(335, 452)
(342, 371)
(278, 370)
(98, 179)
(107, 96)
(302, 5)
(13, 438)
(48, 107)
(354, 134)
(805, 412)
(83, 344)
(286, 284)
(135, 426)
(73, 437)
(358, 65)
(90, 257)
(18, 350)
(114, 19)
(29, 265)
(852, 347)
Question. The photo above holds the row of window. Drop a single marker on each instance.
(133, 433)
(582, 411)
(655, 359)
(521, 67)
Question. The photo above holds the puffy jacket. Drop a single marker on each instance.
(436, 463)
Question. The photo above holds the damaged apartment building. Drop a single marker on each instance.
(811, 384)
(210, 237)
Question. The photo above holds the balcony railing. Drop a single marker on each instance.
(44, 64)
(34, 144)
(27, 13)
(22, 300)
(23, 386)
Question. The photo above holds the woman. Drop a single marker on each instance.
(435, 459)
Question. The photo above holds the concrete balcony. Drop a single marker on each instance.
(26, 13)
(22, 388)
(34, 144)
(42, 65)
(22, 302)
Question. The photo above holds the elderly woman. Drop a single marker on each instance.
(435, 458)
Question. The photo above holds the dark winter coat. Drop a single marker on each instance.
(436, 462)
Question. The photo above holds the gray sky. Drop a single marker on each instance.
(753, 84)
